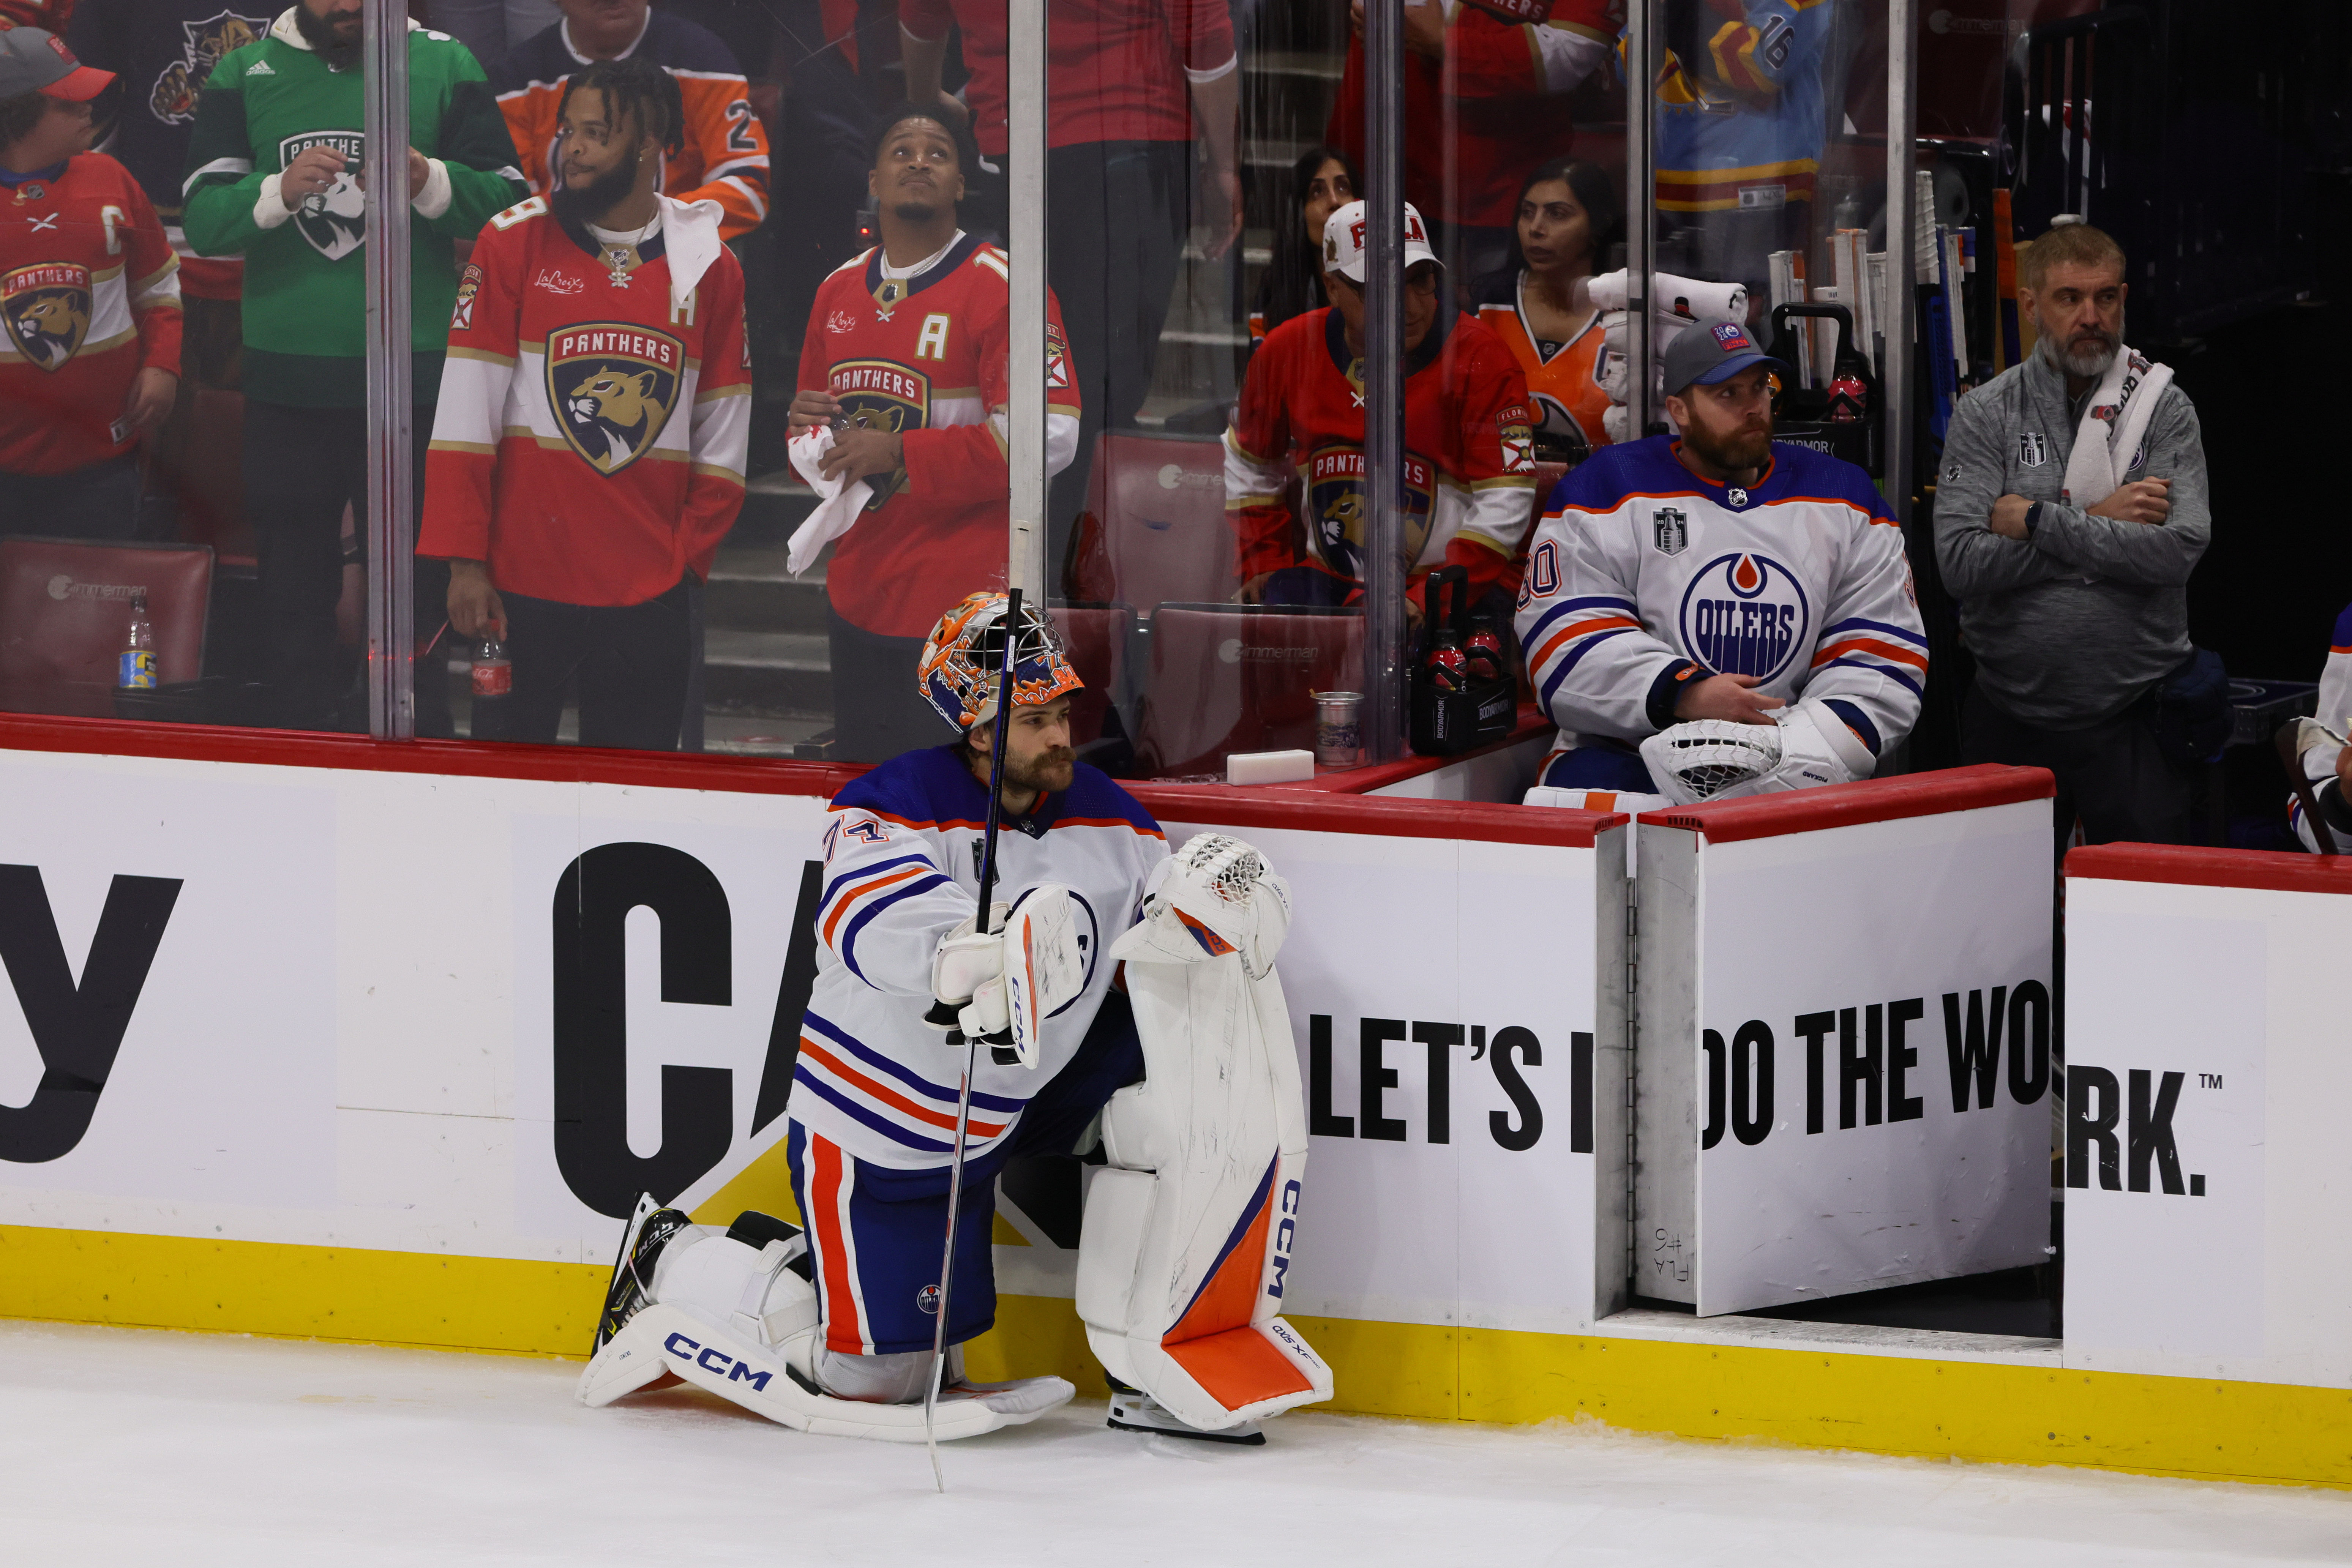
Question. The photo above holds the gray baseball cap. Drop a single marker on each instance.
(32, 60)
(1709, 351)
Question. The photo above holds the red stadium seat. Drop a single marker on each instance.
(200, 461)
(1233, 677)
(1097, 637)
(65, 611)
(1159, 504)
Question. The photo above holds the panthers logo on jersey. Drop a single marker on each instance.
(47, 310)
(335, 219)
(173, 99)
(613, 387)
(1339, 512)
(881, 395)
(1744, 614)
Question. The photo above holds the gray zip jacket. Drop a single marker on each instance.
(2070, 626)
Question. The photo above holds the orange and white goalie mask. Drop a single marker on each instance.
(959, 668)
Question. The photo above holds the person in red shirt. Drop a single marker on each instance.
(1130, 83)
(89, 304)
(906, 358)
(1486, 101)
(587, 450)
(1469, 457)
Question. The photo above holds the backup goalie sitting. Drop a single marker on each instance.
(1718, 613)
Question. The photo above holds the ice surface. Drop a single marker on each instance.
(132, 1446)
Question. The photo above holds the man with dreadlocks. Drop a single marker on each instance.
(1142, 966)
(588, 451)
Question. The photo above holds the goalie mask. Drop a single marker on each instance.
(958, 673)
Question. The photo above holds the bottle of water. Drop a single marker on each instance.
(135, 668)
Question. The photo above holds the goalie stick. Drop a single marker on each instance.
(1007, 658)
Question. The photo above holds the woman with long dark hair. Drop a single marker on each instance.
(1568, 217)
(1321, 181)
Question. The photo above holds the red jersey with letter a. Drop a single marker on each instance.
(589, 440)
(924, 357)
(1470, 472)
(89, 294)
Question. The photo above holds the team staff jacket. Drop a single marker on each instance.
(305, 276)
(725, 159)
(589, 443)
(901, 871)
(1740, 123)
(1643, 576)
(1115, 71)
(929, 364)
(164, 50)
(1564, 390)
(1494, 108)
(1469, 457)
(91, 297)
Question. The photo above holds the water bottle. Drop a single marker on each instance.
(493, 670)
(1448, 669)
(1483, 651)
(135, 668)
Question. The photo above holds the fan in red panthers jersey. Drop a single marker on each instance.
(1720, 613)
(1469, 466)
(905, 358)
(588, 451)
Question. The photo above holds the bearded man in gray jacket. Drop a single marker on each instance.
(2071, 510)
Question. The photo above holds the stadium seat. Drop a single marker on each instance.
(1096, 636)
(200, 462)
(1158, 503)
(65, 612)
(1240, 677)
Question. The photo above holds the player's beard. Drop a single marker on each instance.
(914, 212)
(2085, 363)
(326, 41)
(577, 205)
(1048, 770)
(1747, 448)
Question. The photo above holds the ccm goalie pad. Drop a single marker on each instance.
(735, 1312)
(1188, 1232)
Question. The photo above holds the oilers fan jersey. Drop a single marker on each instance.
(1642, 576)
(901, 871)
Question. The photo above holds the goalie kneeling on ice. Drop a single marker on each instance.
(1189, 1230)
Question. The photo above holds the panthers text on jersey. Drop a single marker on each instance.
(924, 357)
(723, 155)
(1564, 392)
(1643, 576)
(589, 443)
(1469, 457)
(91, 296)
(901, 871)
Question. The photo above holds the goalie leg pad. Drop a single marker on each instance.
(1187, 1231)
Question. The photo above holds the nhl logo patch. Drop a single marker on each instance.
(613, 387)
(2033, 448)
(1735, 495)
(47, 307)
(1669, 530)
(335, 219)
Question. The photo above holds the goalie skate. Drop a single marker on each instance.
(1132, 1410)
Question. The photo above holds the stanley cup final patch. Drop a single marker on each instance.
(1669, 530)
(2033, 448)
(613, 387)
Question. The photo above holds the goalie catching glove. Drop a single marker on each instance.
(1716, 760)
(1005, 984)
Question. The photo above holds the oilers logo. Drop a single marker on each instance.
(1339, 514)
(1744, 614)
(613, 386)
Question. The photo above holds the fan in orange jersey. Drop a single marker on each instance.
(1568, 219)
(722, 152)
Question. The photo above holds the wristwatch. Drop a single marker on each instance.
(2032, 518)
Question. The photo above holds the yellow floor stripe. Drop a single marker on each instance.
(1971, 1410)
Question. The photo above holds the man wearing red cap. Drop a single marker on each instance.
(89, 304)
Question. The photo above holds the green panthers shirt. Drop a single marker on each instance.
(305, 275)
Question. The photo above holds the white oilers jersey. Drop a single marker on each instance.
(1643, 577)
(2335, 711)
(901, 871)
